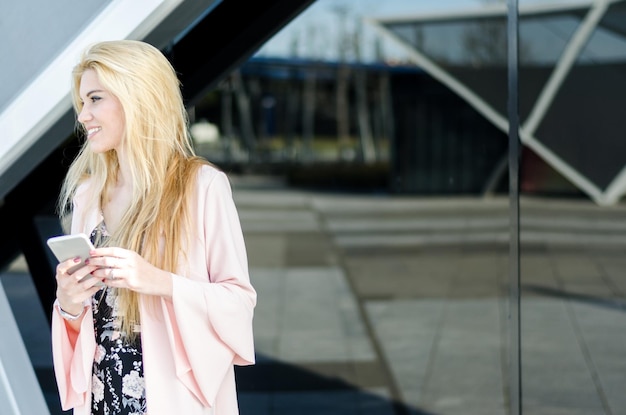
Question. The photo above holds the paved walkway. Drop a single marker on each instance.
(398, 305)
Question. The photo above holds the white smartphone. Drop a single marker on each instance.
(65, 247)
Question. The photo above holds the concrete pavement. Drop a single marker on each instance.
(373, 304)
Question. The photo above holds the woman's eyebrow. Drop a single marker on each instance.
(93, 92)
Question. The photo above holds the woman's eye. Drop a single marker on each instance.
(95, 98)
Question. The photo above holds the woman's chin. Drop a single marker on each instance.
(97, 148)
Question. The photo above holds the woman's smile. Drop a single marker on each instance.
(92, 131)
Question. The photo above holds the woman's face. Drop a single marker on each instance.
(102, 114)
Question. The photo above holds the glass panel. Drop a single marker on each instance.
(590, 98)
(573, 235)
(376, 217)
(472, 48)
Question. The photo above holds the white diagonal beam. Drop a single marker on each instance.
(616, 190)
(440, 74)
(527, 131)
(564, 64)
(20, 392)
(42, 102)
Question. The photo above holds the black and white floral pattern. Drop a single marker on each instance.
(118, 385)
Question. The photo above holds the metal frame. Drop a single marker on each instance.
(514, 326)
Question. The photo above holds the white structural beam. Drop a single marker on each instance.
(20, 393)
(47, 98)
(616, 190)
(444, 77)
(564, 64)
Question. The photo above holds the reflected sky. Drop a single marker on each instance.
(315, 33)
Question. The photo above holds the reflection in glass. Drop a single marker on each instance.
(572, 244)
(372, 190)
(381, 269)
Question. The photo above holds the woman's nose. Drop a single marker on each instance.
(84, 115)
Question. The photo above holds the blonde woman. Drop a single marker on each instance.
(167, 306)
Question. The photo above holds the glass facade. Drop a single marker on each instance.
(374, 199)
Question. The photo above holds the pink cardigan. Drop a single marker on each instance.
(191, 343)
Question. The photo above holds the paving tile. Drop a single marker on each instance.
(370, 301)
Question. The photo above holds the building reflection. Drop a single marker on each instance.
(374, 196)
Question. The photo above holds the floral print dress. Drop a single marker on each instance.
(118, 386)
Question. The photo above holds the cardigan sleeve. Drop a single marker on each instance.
(209, 319)
(72, 363)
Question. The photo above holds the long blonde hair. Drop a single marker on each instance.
(159, 150)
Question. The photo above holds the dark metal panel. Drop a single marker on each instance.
(225, 38)
(585, 125)
(178, 22)
(27, 213)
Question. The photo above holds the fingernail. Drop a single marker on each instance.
(86, 261)
(77, 259)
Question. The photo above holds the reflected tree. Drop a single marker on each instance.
(485, 41)
(342, 84)
(308, 100)
(366, 143)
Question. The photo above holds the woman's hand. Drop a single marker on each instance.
(123, 268)
(73, 289)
